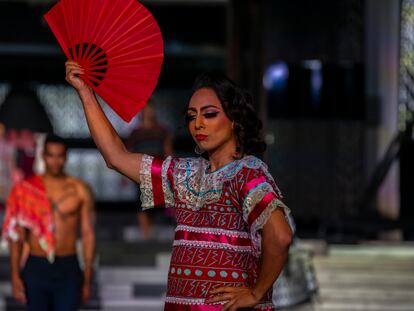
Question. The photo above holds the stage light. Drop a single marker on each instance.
(276, 76)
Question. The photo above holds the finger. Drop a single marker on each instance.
(234, 307)
(229, 305)
(73, 65)
(23, 293)
(21, 297)
(75, 73)
(70, 68)
(76, 69)
(220, 298)
(71, 62)
(223, 289)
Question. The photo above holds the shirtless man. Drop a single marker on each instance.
(46, 212)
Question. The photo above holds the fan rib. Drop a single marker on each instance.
(117, 42)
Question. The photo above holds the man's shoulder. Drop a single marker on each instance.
(33, 181)
(79, 184)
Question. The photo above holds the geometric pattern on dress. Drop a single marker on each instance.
(219, 216)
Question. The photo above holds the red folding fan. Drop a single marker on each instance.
(117, 42)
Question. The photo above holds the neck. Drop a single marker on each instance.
(54, 176)
(148, 123)
(221, 156)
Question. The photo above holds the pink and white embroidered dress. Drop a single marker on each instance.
(219, 217)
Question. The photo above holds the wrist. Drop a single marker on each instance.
(85, 92)
(86, 281)
(258, 294)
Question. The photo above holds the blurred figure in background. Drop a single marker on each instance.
(152, 139)
(26, 152)
(24, 145)
(46, 212)
(7, 167)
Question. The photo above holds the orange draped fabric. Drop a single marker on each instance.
(29, 207)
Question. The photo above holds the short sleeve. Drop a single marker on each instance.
(260, 197)
(156, 182)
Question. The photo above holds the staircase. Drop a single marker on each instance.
(369, 277)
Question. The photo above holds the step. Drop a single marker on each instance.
(364, 279)
(133, 305)
(365, 306)
(131, 275)
(384, 251)
(390, 295)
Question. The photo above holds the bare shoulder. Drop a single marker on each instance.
(83, 189)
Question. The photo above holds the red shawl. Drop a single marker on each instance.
(29, 207)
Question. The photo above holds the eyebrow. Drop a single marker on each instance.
(203, 108)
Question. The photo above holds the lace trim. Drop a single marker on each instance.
(261, 221)
(212, 245)
(166, 187)
(201, 301)
(254, 196)
(231, 233)
(147, 196)
(197, 187)
(186, 301)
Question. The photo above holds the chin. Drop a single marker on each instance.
(206, 147)
(55, 173)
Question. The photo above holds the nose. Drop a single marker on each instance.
(199, 122)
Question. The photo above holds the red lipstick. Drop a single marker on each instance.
(200, 137)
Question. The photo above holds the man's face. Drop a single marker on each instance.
(55, 158)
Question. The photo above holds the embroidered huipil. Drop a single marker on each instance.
(219, 216)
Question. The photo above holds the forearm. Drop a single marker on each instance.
(276, 240)
(16, 248)
(272, 264)
(88, 257)
(107, 139)
(104, 135)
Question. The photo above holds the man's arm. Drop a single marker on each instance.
(88, 238)
(16, 248)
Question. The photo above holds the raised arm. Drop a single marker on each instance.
(106, 138)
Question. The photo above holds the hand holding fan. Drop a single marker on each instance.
(117, 42)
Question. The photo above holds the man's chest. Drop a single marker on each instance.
(64, 199)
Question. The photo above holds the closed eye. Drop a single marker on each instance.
(189, 118)
(210, 115)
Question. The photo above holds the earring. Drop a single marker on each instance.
(198, 150)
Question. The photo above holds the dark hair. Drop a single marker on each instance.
(52, 138)
(238, 106)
